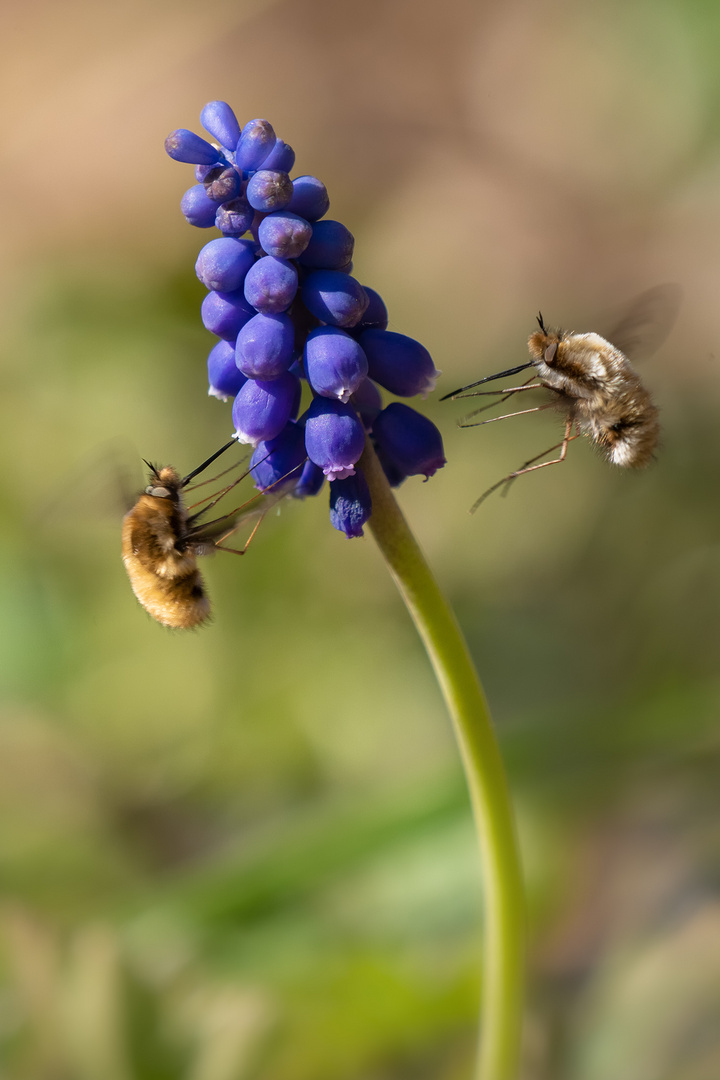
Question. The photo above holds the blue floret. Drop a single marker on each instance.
(350, 505)
(399, 363)
(222, 264)
(334, 437)
(234, 218)
(268, 190)
(334, 298)
(309, 198)
(331, 246)
(335, 365)
(281, 157)
(225, 313)
(183, 145)
(265, 346)
(284, 234)
(262, 408)
(218, 118)
(271, 284)
(223, 184)
(197, 209)
(408, 441)
(254, 145)
(224, 377)
(279, 461)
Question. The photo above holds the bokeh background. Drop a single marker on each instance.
(246, 853)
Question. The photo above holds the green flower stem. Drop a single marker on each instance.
(504, 937)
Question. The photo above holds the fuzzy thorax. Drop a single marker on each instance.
(599, 391)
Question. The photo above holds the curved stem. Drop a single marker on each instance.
(504, 934)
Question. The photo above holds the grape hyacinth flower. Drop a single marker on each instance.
(224, 376)
(282, 299)
(293, 323)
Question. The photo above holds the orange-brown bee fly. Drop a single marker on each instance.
(161, 542)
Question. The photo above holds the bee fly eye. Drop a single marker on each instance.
(550, 352)
(158, 492)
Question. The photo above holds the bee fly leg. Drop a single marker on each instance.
(504, 396)
(238, 551)
(507, 416)
(212, 479)
(530, 467)
(215, 498)
(508, 391)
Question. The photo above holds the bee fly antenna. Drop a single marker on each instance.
(151, 467)
(541, 324)
(201, 468)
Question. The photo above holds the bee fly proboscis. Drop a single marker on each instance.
(592, 384)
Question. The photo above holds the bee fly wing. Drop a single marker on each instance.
(647, 321)
(207, 532)
(99, 486)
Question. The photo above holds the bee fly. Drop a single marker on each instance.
(161, 542)
(592, 384)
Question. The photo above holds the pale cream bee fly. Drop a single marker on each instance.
(592, 384)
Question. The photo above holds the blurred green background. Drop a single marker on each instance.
(246, 853)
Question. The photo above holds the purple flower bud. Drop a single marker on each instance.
(331, 246)
(350, 505)
(335, 365)
(368, 402)
(281, 459)
(218, 118)
(311, 480)
(334, 298)
(222, 264)
(225, 313)
(284, 234)
(376, 316)
(399, 363)
(262, 409)
(265, 346)
(409, 441)
(234, 218)
(254, 145)
(309, 198)
(271, 284)
(184, 145)
(223, 184)
(269, 190)
(334, 437)
(281, 157)
(197, 209)
(223, 376)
